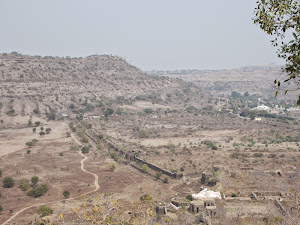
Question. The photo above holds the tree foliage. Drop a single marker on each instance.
(34, 180)
(281, 19)
(8, 182)
(66, 193)
(24, 184)
(44, 211)
(38, 191)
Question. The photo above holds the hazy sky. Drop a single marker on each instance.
(151, 34)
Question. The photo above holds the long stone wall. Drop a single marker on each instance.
(141, 161)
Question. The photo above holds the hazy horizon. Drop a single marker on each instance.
(156, 35)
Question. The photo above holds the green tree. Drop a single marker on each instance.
(1, 173)
(34, 129)
(38, 191)
(44, 211)
(189, 197)
(85, 150)
(37, 123)
(48, 130)
(66, 193)
(1, 208)
(34, 180)
(8, 182)
(108, 112)
(280, 18)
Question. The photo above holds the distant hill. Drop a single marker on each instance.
(30, 82)
(254, 79)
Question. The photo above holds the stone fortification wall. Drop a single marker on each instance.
(138, 160)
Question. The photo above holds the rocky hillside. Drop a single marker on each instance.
(255, 80)
(38, 83)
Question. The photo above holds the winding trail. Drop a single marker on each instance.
(69, 199)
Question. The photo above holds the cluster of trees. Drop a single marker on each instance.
(38, 191)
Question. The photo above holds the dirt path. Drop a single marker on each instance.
(69, 199)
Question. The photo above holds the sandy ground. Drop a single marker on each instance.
(12, 140)
(203, 135)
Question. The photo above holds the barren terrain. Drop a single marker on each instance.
(112, 136)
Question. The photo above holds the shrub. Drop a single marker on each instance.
(234, 155)
(148, 110)
(189, 197)
(34, 180)
(29, 144)
(83, 136)
(85, 150)
(114, 156)
(158, 175)
(143, 134)
(48, 130)
(1, 208)
(36, 111)
(145, 197)
(145, 168)
(258, 155)
(234, 195)
(8, 182)
(37, 123)
(112, 167)
(10, 112)
(24, 184)
(66, 193)
(1, 173)
(166, 180)
(44, 211)
(108, 112)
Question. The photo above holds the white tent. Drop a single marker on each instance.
(206, 194)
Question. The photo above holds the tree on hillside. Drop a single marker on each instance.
(34, 180)
(281, 19)
(8, 182)
(44, 211)
(66, 193)
(48, 130)
(24, 184)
